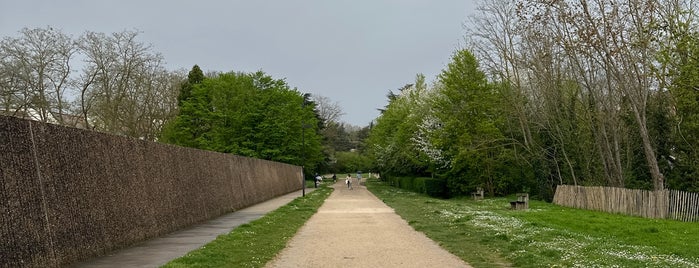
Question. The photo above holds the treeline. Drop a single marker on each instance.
(248, 114)
(255, 115)
(581, 92)
(108, 82)
(116, 84)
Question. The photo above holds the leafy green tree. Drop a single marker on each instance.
(337, 138)
(469, 110)
(249, 114)
(682, 59)
(390, 142)
(351, 162)
(195, 76)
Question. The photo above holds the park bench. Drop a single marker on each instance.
(522, 202)
(478, 194)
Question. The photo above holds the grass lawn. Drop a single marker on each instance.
(487, 233)
(256, 243)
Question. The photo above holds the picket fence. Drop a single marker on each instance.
(663, 204)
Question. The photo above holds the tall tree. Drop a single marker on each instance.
(581, 77)
(249, 114)
(468, 109)
(390, 141)
(125, 88)
(679, 71)
(329, 111)
(36, 69)
(194, 77)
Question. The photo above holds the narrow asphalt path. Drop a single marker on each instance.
(159, 251)
(353, 228)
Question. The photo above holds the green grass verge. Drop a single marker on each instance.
(487, 233)
(256, 243)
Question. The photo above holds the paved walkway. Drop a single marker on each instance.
(159, 251)
(353, 228)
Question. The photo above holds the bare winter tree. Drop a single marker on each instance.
(617, 37)
(13, 90)
(526, 60)
(577, 70)
(328, 110)
(35, 73)
(124, 87)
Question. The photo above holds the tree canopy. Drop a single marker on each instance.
(248, 114)
(566, 92)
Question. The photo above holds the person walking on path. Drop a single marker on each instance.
(348, 181)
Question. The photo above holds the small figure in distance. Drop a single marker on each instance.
(318, 179)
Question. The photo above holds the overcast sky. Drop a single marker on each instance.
(352, 52)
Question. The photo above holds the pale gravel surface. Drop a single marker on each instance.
(353, 228)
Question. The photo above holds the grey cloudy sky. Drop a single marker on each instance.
(352, 52)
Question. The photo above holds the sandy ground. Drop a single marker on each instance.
(353, 228)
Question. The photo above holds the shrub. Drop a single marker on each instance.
(430, 186)
(418, 185)
(435, 187)
(406, 183)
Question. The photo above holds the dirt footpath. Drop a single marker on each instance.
(353, 228)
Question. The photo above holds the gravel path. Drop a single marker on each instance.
(353, 228)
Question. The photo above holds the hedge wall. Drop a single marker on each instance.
(429, 186)
(68, 194)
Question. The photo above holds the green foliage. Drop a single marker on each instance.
(553, 113)
(391, 142)
(195, 76)
(470, 111)
(435, 187)
(344, 145)
(456, 130)
(683, 62)
(337, 138)
(430, 186)
(350, 161)
(248, 114)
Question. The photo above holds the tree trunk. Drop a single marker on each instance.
(658, 178)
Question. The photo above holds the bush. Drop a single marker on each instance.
(418, 185)
(423, 185)
(405, 183)
(436, 187)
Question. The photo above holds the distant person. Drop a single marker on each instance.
(359, 177)
(334, 178)
(348, 181)
(318, 179)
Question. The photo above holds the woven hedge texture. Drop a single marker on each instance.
(67, 194)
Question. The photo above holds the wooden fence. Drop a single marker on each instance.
(664, 204)
(684, 206)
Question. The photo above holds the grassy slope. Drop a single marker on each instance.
(256, 243)
(487, 234)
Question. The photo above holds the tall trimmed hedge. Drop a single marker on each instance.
(423, 185)
(67, 194)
